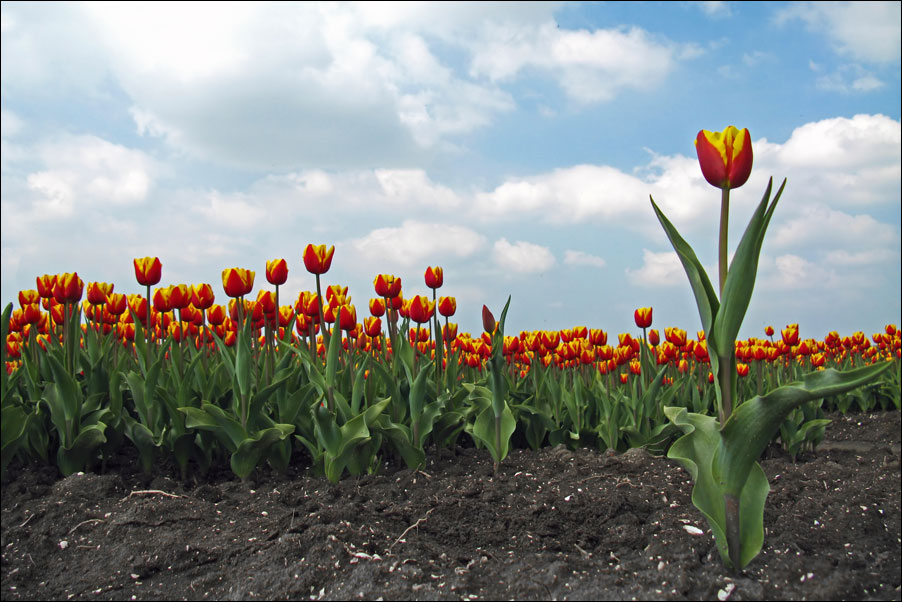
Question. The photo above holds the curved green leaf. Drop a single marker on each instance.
(705, 295)
(695, 451)
(754, 423)
(740, 282)
(249, 453)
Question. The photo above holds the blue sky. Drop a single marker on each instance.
(515, 145)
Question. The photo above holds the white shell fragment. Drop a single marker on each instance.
(724, 594)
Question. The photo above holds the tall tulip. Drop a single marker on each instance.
(237, 282)
(318, 260)
(726, 162)
(434, 277)
(148, 271)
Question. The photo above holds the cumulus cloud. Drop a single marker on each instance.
(85, 171)
(413, 243)
(522, 257)
(834, 229)
(658, 270)
(864, 31)
(590, 66)
(581, 258)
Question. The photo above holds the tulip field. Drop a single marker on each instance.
(191, 381)
(272, 382)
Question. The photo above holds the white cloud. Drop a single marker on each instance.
(866, 31)
(413, 187)
(236, 211)
(658, 270)
(522, 257)
(581, 258)
(794, 272)
(10, 124)
(83, 171)
(847, 161)
(818, 226)
(591, 66)
(413, 243)
(849, 79)
(715, 8)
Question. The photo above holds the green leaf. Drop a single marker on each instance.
(75, 457)
(695, 451)
(737, 290)
(210, 417)
(12, 426)
(754, 423)
(705, 295)
(484, 431)
(243, 360)
(249, 453)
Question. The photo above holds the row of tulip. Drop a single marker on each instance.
(95, 359)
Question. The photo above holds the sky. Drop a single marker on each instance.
(514, 145)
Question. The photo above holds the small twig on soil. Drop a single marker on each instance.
(85, 522)
(153, 492)
(30, 516)
(407, 530)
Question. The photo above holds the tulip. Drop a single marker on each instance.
(791, 334)
(98, 292)
(68, 288)
(725, 157)
(179, 296)
(377, 307)
(347, 318)
(387, 286)
(116, 304)
(45, 286)
(372, 326)
(31, 296)
(148, 270)
(447, 306)
(202, 296)
(653, 338)
(317, 259)
(642, 316)
(237, 282)
(161, 299)
(488, 320)
(421, 309)
(434, 277)
(276, 271)
(675, 336)
(598, 337)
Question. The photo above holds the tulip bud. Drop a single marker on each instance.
(488, 320)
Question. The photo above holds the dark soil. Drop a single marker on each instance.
(553, 524)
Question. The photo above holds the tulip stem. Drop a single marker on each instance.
(724, 220)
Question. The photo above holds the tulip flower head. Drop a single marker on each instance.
(148, 270)
(318, 259)
(447, 306)
(434, 277)
(725, 157)
(276, 271)
(642, 316)
(237, 282)
(387, 285)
